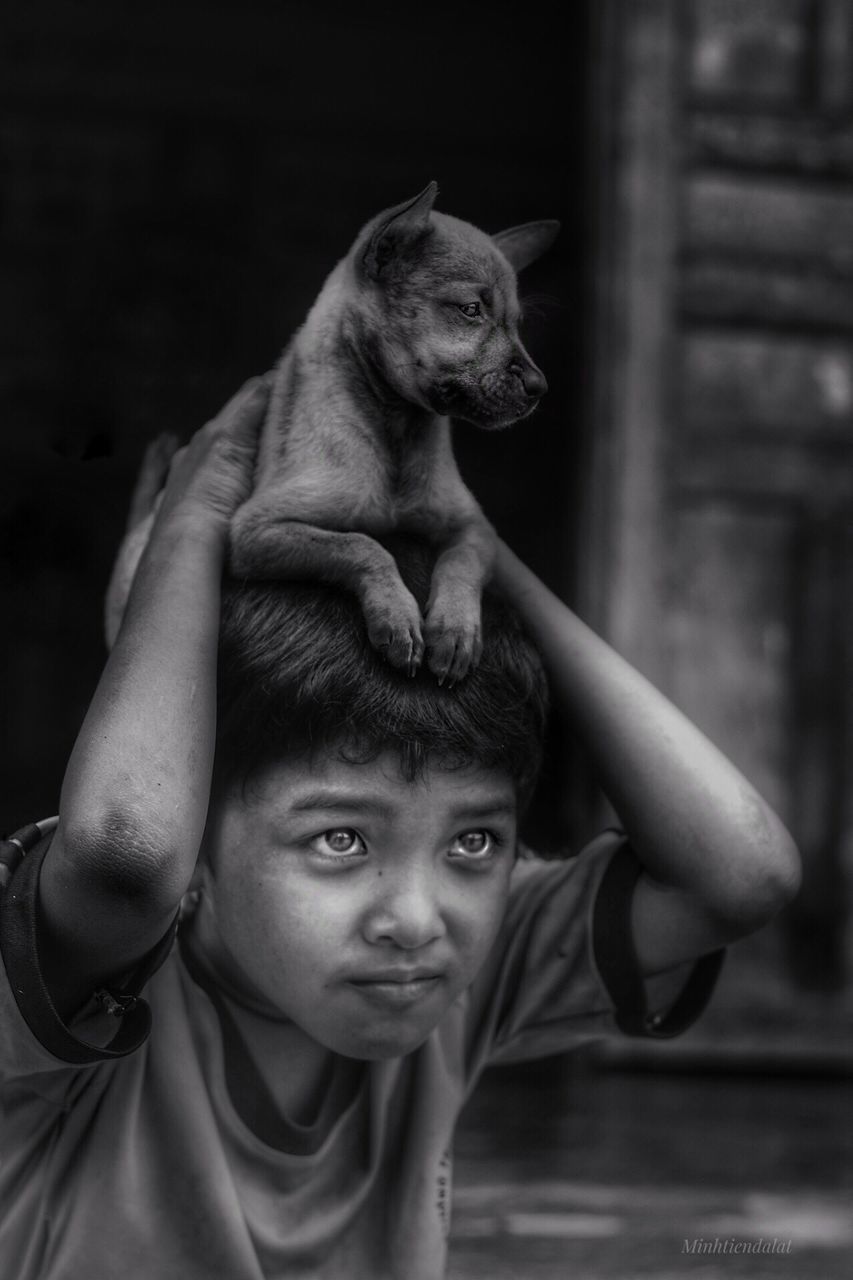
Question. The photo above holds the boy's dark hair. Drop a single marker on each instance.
(297, 674)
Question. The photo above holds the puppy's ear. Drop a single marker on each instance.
(395, 227)
(524, 244)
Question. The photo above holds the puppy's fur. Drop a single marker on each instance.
(418, 323)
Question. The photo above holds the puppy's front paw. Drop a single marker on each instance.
(394, 628)
(453, 638)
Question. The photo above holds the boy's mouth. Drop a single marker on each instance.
(398, 988)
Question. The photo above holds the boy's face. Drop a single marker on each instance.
(352, 902)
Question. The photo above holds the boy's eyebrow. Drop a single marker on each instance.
(497, 808)
(330, 798)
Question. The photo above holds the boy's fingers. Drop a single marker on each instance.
(245, 405)
(250, 414)
(176, 457)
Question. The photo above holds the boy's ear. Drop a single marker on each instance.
(527, 242)
(396, 227)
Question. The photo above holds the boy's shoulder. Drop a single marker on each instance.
(575, 875)
(564, 966)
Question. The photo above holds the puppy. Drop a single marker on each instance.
(417, 324)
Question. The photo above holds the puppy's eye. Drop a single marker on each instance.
(339, 842)
(470, 309)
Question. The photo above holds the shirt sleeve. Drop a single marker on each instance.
(564, 968)
(33, 1036)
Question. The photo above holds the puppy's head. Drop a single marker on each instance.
(437, 311)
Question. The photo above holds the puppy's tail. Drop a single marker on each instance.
(143, 504)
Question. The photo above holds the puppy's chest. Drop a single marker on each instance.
(393, 488)
(408, 468)
(345, 475)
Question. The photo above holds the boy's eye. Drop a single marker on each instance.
(471, 309)
(338, 842)
(473, 844)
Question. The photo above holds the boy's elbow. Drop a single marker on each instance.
(770, 879)
(120, 857)
(782, 876)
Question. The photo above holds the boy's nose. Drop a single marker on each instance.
(407, 914)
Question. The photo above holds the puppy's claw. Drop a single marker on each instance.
(441, 662)
(465, 659)
(402, 649)
(451, 657)
(454, 638)
(394, 629)
(416, 654)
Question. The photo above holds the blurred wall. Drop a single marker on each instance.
(718, 535)
(765, 409)
(177, 180)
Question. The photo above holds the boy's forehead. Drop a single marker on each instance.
(326, 779)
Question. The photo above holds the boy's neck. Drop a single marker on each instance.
(281, 1081)
(301, 1078)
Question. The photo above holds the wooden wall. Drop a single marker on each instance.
(722, 525)
(765, 409)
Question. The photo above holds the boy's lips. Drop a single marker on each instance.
(397, 987)
(397, 975)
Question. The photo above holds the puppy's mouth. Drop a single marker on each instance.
(491, 404)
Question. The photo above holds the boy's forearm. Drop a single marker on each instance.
(135, 795)
(134, 799)
(694, 820)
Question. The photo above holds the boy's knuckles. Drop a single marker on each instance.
(230, 453)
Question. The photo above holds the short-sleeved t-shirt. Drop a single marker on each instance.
(132, 1161)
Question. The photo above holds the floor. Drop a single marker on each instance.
(565, 1171)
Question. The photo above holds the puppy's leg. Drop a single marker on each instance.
(265, 548)
(452, 627)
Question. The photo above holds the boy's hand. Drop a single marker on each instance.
(210, 477)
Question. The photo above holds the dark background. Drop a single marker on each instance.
(177, 180)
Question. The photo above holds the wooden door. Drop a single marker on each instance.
(719, 526)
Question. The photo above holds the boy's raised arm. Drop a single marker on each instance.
(718, 863)
(135, 795)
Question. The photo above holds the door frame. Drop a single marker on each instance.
(633, 207)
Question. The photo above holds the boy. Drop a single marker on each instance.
(358, 940)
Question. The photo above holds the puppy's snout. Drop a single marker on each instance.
(532, 379)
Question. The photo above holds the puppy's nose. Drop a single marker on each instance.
(534, 382)
(532, 379)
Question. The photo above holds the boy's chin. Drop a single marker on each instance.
(380, 1044)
